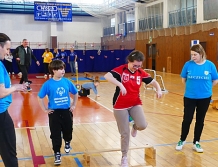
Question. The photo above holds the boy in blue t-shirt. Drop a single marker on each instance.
(60, 107)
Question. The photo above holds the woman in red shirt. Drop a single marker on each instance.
(126, 100)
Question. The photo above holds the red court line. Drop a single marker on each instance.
(37, 160)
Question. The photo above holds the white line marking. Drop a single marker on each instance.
(101, 104)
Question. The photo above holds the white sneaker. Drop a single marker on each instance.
(19, 75)
(133, 131)
(179, 145)
(124, 162)
(197, 147)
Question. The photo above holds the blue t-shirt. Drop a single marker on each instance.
(58, 93)
(90, 85)
(199, 79)
(4, 79)
(56, 56)
(72, 56)
(63, 56)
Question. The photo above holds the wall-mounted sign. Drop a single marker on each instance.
(52, 11)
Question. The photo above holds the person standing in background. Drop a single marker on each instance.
(47, 58)
(199, 76)
(63, 55)
(8, 63)
(24, 56)
(7, 131)
(72, 60)
(56, 54)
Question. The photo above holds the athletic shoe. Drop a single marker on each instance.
(133, 131)
(30, 82)
(179, 145)
(124, 162)
(197, 147)
(67, 147)
(29, 89)
(57, 160)
(19, 74)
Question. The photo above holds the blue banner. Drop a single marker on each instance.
(52, 11)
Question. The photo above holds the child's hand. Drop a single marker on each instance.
(72, 108)
(48, 111)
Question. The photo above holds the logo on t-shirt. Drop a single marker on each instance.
(60, 91)
(125, 77)
(206, 72)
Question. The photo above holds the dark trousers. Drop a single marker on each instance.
(18, 65)
(84, 92)
(201, 107)
(46, 68)
(8, 66)
(24, 69)
(60, 123)
(7, 140)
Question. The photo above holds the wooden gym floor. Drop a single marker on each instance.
(95, 128)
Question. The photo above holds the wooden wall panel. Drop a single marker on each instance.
(178, 48)
(171, 42)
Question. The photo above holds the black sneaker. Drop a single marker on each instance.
(30, 82)
(67, 147)
(57, 160)
(29, 89)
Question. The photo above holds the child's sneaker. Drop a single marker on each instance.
(30, 82)
(197, 147)
(133, 131)
(57, 160)
(29, 89)
(124, 161)
(67, 147)
(179, 145)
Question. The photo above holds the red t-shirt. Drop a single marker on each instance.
(132, 82)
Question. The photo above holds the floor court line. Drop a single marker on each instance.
(100, 104)
(37, 160)
(80, 153)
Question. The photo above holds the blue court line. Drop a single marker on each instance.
(73, 154)
(85, 79)
(80, 165)
(78, 162)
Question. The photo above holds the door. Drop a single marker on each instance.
(151, 56)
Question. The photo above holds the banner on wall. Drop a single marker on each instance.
(194, 42)
(52, 11)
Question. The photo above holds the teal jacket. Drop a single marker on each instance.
(20, 52)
